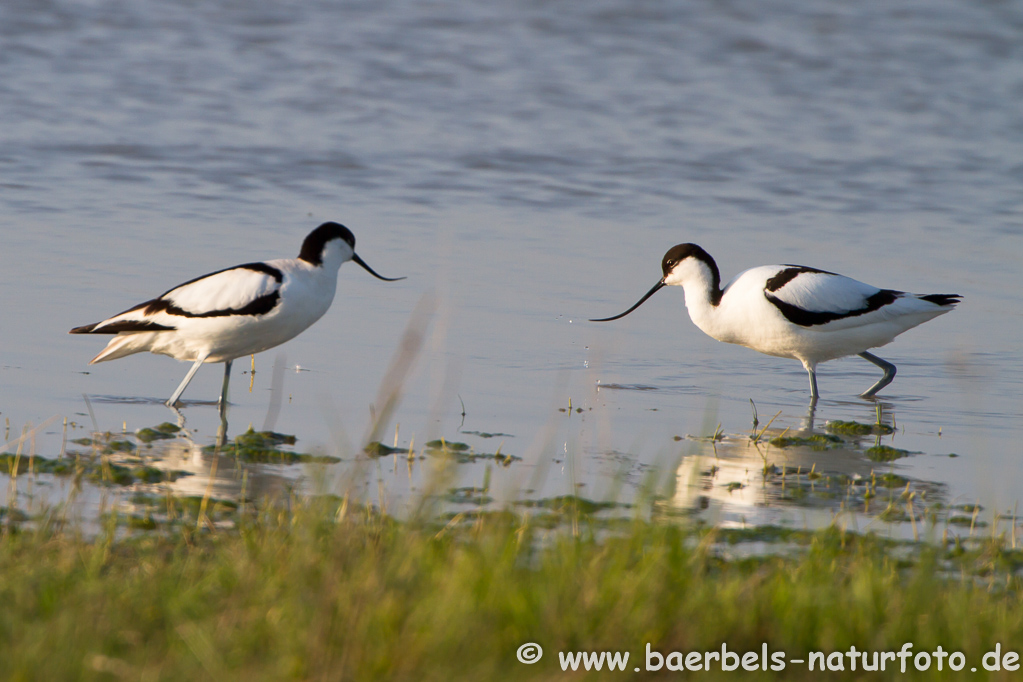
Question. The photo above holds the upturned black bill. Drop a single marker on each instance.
(648, 295)
(370, 270)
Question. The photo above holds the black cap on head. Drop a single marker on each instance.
(312, 247)
(679, 253)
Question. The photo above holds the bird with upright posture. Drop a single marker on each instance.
(793, 311)
(234, 312)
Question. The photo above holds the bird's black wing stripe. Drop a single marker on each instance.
(258, 267)
(260, 306)
(788, 274)
(123, 326)
(942, 299)
(810, 318)
(264, 268)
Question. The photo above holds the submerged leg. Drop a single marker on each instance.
(889, 374)
(222, 407)
(227, 380)
(188, 377)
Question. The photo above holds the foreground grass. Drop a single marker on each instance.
(324, 591)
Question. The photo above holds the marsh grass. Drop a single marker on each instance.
(327, 589)
(324, 588)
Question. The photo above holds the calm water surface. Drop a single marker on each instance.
(528, 164)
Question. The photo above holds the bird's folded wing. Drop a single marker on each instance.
(246, 289)
(810, 298)
(816, 291)
(252, 289)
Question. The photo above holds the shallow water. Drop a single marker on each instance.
(529, 164)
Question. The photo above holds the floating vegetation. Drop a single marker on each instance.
(570, 504)
(464, 454)
(262, 447)
(468, 495)
(479, 515)
(96, 469)
(822, 489)
(890, 480)
(149, 512)
(885, 453)
(107, 443)
(111, 460)
(766, 533)
(127, 474)
(38, 465)
(815, 441)
(449, 445)
(858, 429)
(119, 446)
(895, 513)
(378, 449)
(160, 432)
(188, 505)
(263, 439)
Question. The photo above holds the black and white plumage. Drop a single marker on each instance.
(793, 311)
(234, 312)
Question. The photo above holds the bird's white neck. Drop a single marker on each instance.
(702, 284)
(335, 253)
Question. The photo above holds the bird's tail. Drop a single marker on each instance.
(123, 345)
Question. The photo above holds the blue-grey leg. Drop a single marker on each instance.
(227, 380)
(188, 377)
(889, 374)
(222, 406)
(812, 371)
